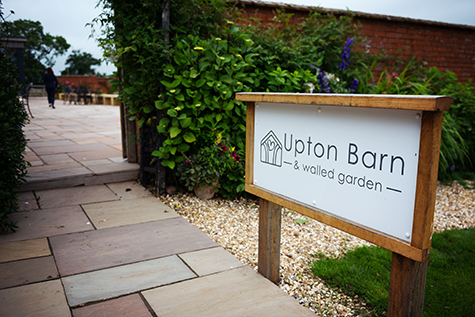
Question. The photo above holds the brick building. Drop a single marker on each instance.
(444, 45)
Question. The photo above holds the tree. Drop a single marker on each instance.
(40, 50)
(80, 63)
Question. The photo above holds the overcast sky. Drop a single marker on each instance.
(68, 18)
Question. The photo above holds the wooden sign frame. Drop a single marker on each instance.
(432, 108)
(409, 264)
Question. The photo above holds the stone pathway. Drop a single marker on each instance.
(74, 145)
(110, 248)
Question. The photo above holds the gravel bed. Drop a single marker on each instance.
(234, 225)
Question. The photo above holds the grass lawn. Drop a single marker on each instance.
(450, 284)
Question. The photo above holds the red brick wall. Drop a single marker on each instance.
(95, 84)
(446, 46)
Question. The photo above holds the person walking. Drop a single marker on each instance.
(51, 83)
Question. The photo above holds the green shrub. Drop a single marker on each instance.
(13, 118)
(457, 150)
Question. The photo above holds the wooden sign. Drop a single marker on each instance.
(364, 164)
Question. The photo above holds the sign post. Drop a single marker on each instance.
(365, 164)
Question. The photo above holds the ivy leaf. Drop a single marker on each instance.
(155, 153)
(189, 137)
(174, 131)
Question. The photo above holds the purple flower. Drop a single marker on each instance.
(323, 82)
(353, 85)
(345, 56)
(187, 161)
(452, 167)
(322, 79)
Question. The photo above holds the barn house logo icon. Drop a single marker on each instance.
(271, 150)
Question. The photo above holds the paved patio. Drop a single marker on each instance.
(93, 242)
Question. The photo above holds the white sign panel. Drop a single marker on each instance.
(355, 163)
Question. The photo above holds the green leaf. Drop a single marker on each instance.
(219, 116)
(193, 73)
(228, 106)
(180, 97)
(301, 221)
(175, 83)
(170, 164)
(185, 123)
(172, 112)
(189, 137)
(200, 82)
(155, 153)
(174, 131)
(166, 83)
(183, 147)
(129, 90)
(226, 78)
(173, 150)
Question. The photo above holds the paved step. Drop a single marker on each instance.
(68, 175)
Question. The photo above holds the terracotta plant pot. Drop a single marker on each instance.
(206, 192)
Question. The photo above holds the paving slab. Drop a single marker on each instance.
(49, 143)
(130, 305)
(73, 148)
(113, 177)
(96, 162)
(46, 223)
(93, 250)
(27, 271)
(105, 151)
(125, 279)
(57, 159)
(74, 196)
(27, 201)
(42, 184)
(53, 167)
(113, 167)
(209, 261)
(40, 299)
(64, 173)
(127, 212)
(129, 190)
(88, 135)
(20, 250)
(238, 292)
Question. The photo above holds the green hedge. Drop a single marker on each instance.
(13, 118)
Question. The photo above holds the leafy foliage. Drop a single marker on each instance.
(319, 40)
(80, 63)
(458, 140)
(40, 50)
(12, 143)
